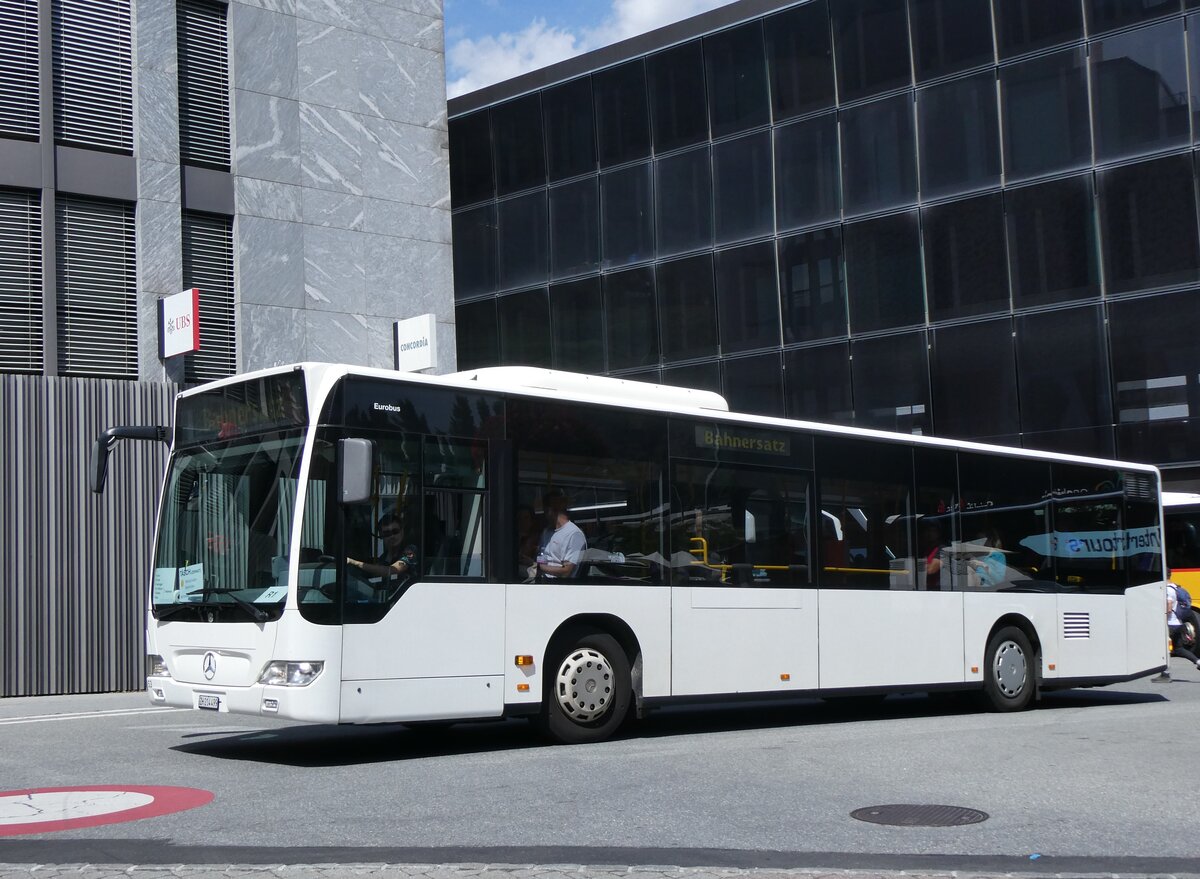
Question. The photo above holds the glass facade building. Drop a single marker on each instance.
(970, 218)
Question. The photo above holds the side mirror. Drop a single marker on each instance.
(98, 464)
(356, 471)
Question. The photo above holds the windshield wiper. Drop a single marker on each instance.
(257, 613)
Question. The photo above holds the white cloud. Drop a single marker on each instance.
(474, 64)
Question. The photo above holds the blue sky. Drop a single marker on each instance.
(492, 40)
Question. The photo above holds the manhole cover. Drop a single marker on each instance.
(909, 815)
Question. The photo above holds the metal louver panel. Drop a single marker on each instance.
(208, 265)
(1077, 624)
(19, 63)
(97, 288)
(20, 282)
(203, 83)
(93, 73)
(1140, 486)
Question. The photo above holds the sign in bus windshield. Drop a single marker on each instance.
(274, 402)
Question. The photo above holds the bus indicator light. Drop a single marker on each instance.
(1052, 666)
(524, 660)
(522, 688)
(785, 677)
(974, 669)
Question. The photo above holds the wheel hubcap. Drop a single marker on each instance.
(585, 686)
(1010, 669)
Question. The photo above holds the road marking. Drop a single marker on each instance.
(51, 809)
(86, 715)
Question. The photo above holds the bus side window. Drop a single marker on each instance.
(1005, 524)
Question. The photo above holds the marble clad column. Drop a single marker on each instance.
(341, 178)
(159, 239)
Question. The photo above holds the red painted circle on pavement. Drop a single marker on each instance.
(91, 806)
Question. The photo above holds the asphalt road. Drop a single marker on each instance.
(1084, 783)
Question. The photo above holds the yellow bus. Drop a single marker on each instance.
(1181, 514)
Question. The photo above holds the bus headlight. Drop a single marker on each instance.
(156, 667)
(290, 674)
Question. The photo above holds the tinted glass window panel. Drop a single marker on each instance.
(622, 118)
(517, 138)
(1166, 442)
(1089, 545)
(1140, 91)
(960, 135)
(632, 318)
(879, 155)
(471, 177)
(570, 130)
(866, 501)
(749, 526)
(936, 517)
(678, 109)
(964, 258)
(807, 180)
(1026, 25)
(700, 376)
(871, 38)
(1052, 241)
(1193, 26)
(974, 373)
(1105, 15)
(1156, 361)
(475, 251)
(574, 228)
(627, 211)
(687, 304)
(950, 35)
(800, 59)
(1063, 386)
(684, 202)
(883, 273)
(578, 319)
(1005, 524)
(524, 320)
(737, 79)
(748, 297)
(818, 383)
(524, 228)
(475, 334)
(1045, 113)
(812, 286)
(891, 383)
(1148, 224)
(755, 384)
(743, 188)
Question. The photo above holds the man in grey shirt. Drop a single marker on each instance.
(563, 542)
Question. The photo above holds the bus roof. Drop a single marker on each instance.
(662, 399)
(1180, 498)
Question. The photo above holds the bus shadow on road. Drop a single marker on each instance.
(328, 745)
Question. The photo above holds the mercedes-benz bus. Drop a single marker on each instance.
(346, 545)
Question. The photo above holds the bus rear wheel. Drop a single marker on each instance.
(1009, 676)
(587, 691)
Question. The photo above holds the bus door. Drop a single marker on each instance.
(744, 618)
(423, 631)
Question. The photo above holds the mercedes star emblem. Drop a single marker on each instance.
(209, 665)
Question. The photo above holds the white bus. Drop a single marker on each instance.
(345, 545)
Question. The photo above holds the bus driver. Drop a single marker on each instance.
(563, 544)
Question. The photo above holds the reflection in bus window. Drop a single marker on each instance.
(936, 517)
(1088, 543)
(739, 526)
(1005, 525)
(866, 515)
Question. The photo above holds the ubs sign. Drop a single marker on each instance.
(416, 343)
(179, 324)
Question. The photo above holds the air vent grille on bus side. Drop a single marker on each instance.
(1139, 485)
(1077, 625)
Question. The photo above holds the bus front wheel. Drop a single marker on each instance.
(588, 688)
(1009, 680)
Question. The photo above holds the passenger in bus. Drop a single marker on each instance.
(563, 542)
(990, 570)
(398, 563)
(933, 547)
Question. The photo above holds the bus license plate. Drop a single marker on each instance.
(208, 702)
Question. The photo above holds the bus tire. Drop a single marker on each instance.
(1191, 632)
(1010, 671)
(587, 688)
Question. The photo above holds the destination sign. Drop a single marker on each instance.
(738, 439)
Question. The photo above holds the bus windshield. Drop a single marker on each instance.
(225, 534)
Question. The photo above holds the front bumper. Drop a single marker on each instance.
(312, 704)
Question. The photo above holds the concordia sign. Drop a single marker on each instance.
(416, 343)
